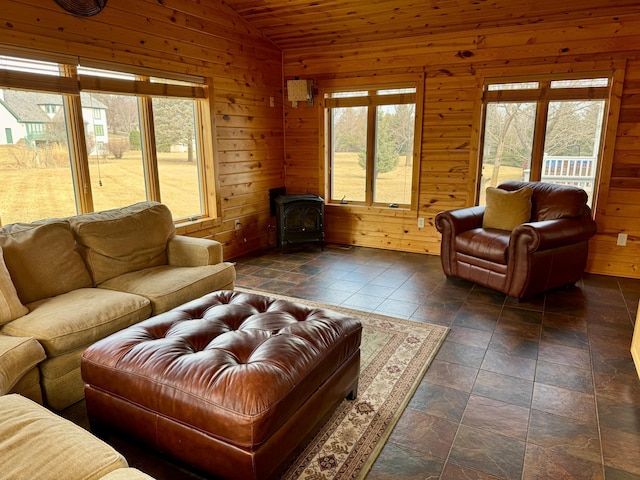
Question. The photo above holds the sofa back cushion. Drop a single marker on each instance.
(41, 259)
(122, 240)
(550, 201)
(10, 305)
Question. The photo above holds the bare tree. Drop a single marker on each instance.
(501, 134)
(403, 126)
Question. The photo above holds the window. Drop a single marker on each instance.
(35, 166)
(178, 157)
(548, 130)
(116, 163)
(372, 146)
(100, 138)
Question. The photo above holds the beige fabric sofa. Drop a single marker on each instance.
(82, 278)
(35, 443)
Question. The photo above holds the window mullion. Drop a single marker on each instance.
(207, 152)
(371, 153)
(539, 135)
(148, 139)
(77, 145)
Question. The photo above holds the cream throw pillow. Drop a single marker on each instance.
(506, 210)
(10, 305)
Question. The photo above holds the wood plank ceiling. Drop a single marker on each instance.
(309, 23)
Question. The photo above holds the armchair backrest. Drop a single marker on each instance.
(550, 201)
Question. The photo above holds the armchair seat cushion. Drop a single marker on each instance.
(487, 244)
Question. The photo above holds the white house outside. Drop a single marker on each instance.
(30, 117)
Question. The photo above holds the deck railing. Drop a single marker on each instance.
(577, 171)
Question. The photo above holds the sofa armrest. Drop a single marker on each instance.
(18, 355)
(186, 251)
(547, 234)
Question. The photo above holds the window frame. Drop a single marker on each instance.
(388, 82)
(69, 83)
(542, 96)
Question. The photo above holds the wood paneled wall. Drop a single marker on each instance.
(207, 38)
(186, 36)
(455, 66)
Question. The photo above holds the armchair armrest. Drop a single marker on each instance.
(450, 224)
(536, 236)
(460, 220)
(186, 251)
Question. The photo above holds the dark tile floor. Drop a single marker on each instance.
(543, 389)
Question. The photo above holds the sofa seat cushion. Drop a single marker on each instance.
(122, 240)
(78, 318)
(488, 244)
(126, 474)
(169, 286)
(42, 260)
(36, 443)
(18, 355)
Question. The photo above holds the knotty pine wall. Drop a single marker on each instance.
(209, 39)
(201, 38)
(455, 66)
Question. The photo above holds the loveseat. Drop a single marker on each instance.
(530, 237)
(75, 280)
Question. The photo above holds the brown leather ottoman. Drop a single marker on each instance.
(231, 383)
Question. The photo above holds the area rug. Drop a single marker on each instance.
(395, 355)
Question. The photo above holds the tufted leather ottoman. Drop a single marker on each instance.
(231, 383)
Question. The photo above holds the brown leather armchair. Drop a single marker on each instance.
(547, 252)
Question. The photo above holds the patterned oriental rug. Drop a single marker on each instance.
(395, 355)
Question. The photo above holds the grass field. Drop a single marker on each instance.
(28, 194)
(505, 174)
(391, 187)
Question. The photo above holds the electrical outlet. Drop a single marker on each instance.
(272, 102)
(622, 239)
(238, 225)
(421, 222)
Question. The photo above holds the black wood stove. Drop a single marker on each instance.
(300, 219)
